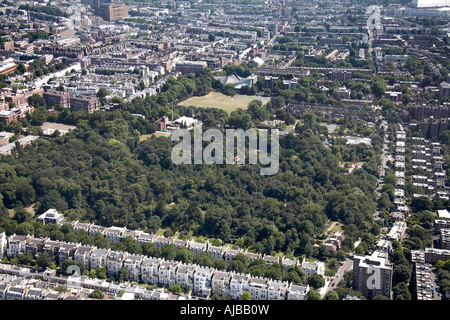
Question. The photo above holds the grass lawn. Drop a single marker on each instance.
(221, 101)
(158, 134)
(338, 227)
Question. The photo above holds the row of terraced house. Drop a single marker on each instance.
(203, 281)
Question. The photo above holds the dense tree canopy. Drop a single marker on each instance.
(103, 173)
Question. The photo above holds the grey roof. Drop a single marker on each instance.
(35, 242)
(221, 275)
(270, 258)
(16, 237)
(167, 264)
(96, 227)
(51, 244)
(115, 255)
(232, 252)
(258, 280)
(203, 271)
(35, 291)
(66, 247)
(162, 239)
(151, 260)
(277, 285)
(83, 249)
(183, 268)
(215, 249)
(239, 277)
(179, 242)
(132, 258)
(197, 245)
(99, 252)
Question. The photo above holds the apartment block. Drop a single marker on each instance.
(85, 103)
(372, 276)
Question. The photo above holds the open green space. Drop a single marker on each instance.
(221, 101)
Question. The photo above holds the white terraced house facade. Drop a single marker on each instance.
(35, 245)
(220, 283)
(288, 263)
(185, 275)
(215, 252)
(167, 273)
(66, 251)
(98, 258)
(82, 254)
(161, 242)
(132, 263)
(81, 226)
(133, 234)
(269, 260)
(197, 248)
(257, 287)
(252, 256)
(230, 254)
(114, 262)
(16, 245)
(150, 270)
(115, 234)
(276, 290)
(202, 281)
(311, 268)
(145, 238)
(178, 243)
(94, 229)
(239, 283)
(51, 248)
(297, 292)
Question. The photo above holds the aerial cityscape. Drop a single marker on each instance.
(224, 150)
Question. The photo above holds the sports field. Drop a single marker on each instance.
(221, 101)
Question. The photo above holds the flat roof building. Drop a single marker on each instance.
(110, 12)
(372, 276)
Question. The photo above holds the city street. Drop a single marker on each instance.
(348, 265)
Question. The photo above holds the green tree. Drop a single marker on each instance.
(100, 241)
(316, 281)
(123, 274)
(220, 264)
(96, 294)
(44, 261)
(175, 289)
(151, 250)
(402, 273)
(25, 228)
(102, 93)
(378, 87)
(185, 255)
(25, 258)
(204, 260)
(313, 295)
(36, 100)
(169, 252)
(228, 90)
(331, 295)
(101, 273)
(245, 295)
(401, 292)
